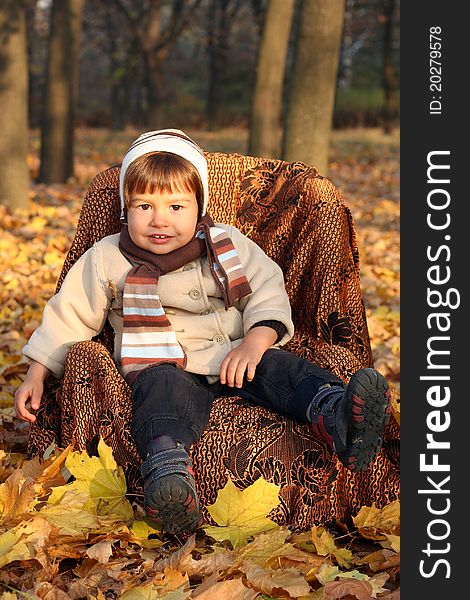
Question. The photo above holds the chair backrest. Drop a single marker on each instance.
(294, 214)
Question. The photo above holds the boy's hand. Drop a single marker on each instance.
(28, 391)
(246, 357)
(31, 389)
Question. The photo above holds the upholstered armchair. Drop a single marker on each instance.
(301, 222)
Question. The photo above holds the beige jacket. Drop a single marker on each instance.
(92, 292)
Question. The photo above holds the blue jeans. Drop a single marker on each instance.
(173, 402)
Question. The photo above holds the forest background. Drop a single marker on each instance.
(80, 79)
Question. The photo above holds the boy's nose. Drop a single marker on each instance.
(159, 218)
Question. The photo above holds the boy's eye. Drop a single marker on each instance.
(176, 207)
(144, 206)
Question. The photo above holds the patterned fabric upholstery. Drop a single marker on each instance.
(300, 221)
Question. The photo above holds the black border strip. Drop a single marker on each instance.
(434, 568)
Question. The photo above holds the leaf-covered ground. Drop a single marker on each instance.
(94, 555)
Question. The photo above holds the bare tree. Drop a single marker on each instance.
(267, 96)
(311, 99)
(346, 52)
(14, 174)
(60, 93)
(221, 16)
(389, 77)
(154, 32)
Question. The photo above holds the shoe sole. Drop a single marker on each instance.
(368, 397)
(173, 504)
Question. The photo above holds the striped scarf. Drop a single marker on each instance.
(148, 337)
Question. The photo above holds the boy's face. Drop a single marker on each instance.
(162, 222)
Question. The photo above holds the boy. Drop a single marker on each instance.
(198, 310)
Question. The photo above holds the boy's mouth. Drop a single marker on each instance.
(159, 239)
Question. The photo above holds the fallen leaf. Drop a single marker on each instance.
(173, 580)
(177, 559)
(51, 472)
(101, 478)
(392, 541)
(242, 513)
(334, 590)
(328, 573)
(69, 515)
(233, 589)
(325, 546)
(16, 496)
(377, 582)
(220, 559)
(268, 581)
(171, 585)
(373, 523)
(102, 551)
(25, 541)
(395, 595)
(9, 550)
(47, 591)
(381, 560)
(265, 546)
(141, 532)
(11, 596)
(91, 577)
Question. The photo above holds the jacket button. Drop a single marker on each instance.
(218, 338)
(206, 312)
(195, 294)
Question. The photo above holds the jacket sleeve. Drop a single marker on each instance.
(76, 313)
(269, 300)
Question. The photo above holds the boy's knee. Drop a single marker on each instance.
(166, 394)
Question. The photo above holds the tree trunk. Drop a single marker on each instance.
(267, 96)
(154, 61)
(346, 56)
(30, 46)
(61, 91)
(14, 174)
(217, 49)
(311, 101)
(116, 96)
(389, 79)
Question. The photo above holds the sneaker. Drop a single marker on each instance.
(352, 421)
(170, 496)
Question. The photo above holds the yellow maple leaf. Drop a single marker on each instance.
(266, 546)
(242, 513)
(325, 545)
(101, 478)
(141, 532)
(373, 523)
(69, 516)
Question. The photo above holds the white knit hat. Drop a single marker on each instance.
(167, 140)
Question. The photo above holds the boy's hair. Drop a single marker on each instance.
(162, 172)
